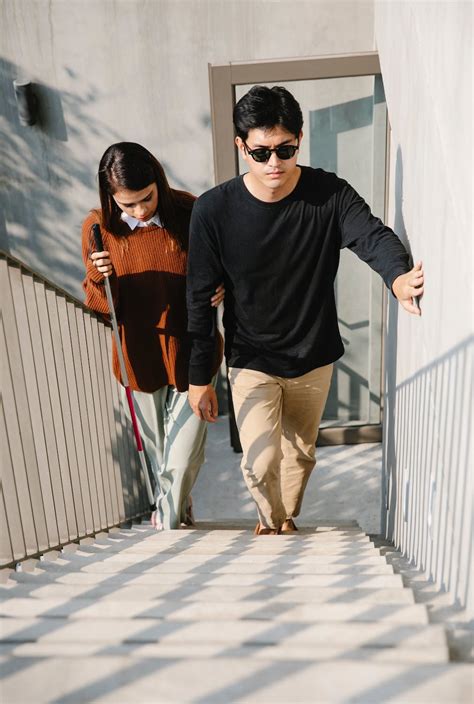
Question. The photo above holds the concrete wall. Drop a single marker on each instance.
(113, 70)
(426, 57)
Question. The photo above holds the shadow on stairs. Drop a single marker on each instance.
(216, 615)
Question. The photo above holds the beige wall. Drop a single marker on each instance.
(426, 58)
(111, 70)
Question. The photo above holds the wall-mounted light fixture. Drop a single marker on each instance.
(26, 102)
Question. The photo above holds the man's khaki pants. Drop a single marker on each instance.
(278, 421)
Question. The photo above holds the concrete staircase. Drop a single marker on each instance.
(217, 616)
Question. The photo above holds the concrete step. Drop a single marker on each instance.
(138, 551)
(287, 542)
(128, 591)
(267, 547)
(272, 651)
(218, 566)
(171, 540)
(223, 610)
(225, 632)
(192, 537)
(247, 532)
(95, 574)
(223, 680)
(367, 558)
(190, 534)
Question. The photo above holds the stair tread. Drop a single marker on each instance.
(295, 558)
(271, 651)
(222, 610)
(266, 549)
(50, 575)
(221, 680)
(129, 592)
(233, 632)
(221, 566)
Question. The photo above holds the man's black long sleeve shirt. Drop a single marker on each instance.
(278, 262)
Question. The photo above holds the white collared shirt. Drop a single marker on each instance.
(133, 222)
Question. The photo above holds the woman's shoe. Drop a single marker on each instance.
(289, 526)
(156, 524)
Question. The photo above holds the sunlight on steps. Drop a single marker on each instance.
(214, 614)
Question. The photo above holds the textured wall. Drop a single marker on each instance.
(426, 57)
(113, 70)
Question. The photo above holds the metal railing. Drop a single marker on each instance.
(69, 466)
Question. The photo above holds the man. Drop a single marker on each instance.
(274, 237)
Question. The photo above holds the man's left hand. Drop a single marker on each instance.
(408, 286)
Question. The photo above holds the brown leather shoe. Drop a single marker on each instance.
(262, 530)
(289, 526)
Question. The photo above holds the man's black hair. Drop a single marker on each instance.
(265, 108)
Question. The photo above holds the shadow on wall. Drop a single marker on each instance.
(430, 502)
(427, 451)
(43, 183)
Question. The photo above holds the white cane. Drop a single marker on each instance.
(141, 453)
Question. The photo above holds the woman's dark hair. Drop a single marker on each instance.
(265, 108)
(131, 166)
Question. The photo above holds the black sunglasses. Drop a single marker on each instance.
(284, 152)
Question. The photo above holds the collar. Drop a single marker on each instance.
(133, 222)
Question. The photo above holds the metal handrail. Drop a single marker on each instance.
(52, 284)
(69, 468)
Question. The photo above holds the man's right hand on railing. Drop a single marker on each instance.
(101, 261)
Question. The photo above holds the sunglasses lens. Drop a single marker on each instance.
(261, 155)
(286, 152)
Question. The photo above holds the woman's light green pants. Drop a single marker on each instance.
(173, 439)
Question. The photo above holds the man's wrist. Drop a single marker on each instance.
(394, 281)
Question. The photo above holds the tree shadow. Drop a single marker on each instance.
(46, 181)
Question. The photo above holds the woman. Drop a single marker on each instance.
(144, 225)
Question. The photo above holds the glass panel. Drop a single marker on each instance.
(344, 131)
